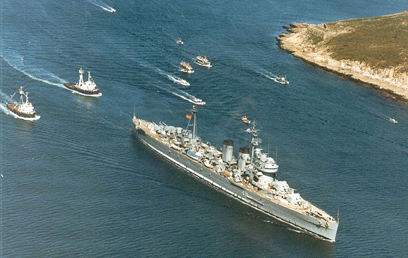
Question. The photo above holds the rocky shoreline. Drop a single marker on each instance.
(307, 42)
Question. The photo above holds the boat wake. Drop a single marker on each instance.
(179, 93)
(102, 5)
(17, 61)
(178, 80)
(6, 97)
(271, 76)
(87, 95)
(8, 112)
(266, 74)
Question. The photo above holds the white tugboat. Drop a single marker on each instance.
(24, 109)
(186, 67)
(203, 61)
(249, 179)
(87, 88)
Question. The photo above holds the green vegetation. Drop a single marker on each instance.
(381, 42)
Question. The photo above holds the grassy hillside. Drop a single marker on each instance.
(381, 42)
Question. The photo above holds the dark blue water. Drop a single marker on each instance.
(76, 183)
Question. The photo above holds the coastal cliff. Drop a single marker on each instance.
(371, 50)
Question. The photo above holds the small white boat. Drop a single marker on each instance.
(202, 61)
(392, 120)
(180, 42)
(281, 80)
(186, 67)
(183, 82)
(245, 120)
(199, 102)
(112, 10)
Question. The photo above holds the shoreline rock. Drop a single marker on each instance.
(307, 42)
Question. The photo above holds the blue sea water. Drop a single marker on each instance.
(77, 184)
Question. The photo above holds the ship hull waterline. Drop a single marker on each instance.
(75, 89)
(302, 222)
(14, 108)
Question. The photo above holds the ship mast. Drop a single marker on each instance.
(81, 77)
(254, 141)
(194, 111)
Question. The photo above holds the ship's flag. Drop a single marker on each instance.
(188, 116)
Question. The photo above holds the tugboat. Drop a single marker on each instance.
(281, 80)
(24, 109)
(87, 88)
(203, 61)
(186, 67)
(245, 120)
(250, 178)
(180, 42)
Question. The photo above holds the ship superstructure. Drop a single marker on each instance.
(24, 108)
(186, 67)
(87, 88)
(203, 61)
(250, 178)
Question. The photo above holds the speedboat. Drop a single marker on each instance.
(183, 82)
(203, 61)
(281, 80)
(245, 120)
(180, 42)
(112, 10)
(87, 88)
(24, 109)
(199, 102)
(392, 120)
(186, 67)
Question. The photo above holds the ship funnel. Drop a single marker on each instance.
(227, 150)
(243, 157)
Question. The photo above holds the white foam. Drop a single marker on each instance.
(15, 60)
(102, 5)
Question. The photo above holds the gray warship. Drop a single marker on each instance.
(250, 178)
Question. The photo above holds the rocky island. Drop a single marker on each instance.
(370, 50)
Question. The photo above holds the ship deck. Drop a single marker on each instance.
(148, 127)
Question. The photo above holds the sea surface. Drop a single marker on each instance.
(75, 183)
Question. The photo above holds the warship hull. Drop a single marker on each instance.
(300, 221)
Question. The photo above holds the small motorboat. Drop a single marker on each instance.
(87, 88)
(281, 80)
(183, 82)
(245, 120)
(112, 10)
(392, 120)
(203, 61)
(24, 109)
(180, 42)
(199, 102)
(186, 67)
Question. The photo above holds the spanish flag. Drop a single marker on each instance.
(188, 116)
